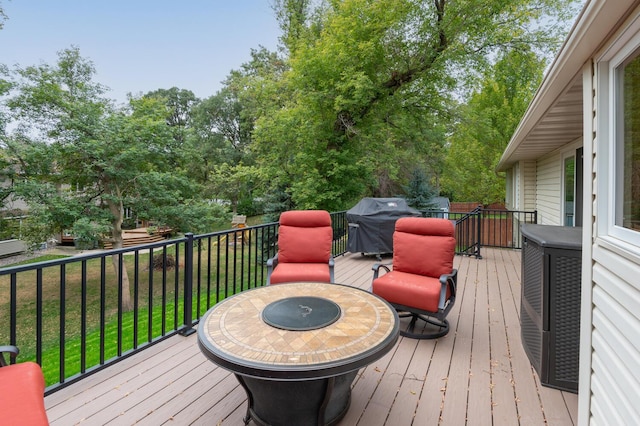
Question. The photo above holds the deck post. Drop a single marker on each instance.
(188, 287)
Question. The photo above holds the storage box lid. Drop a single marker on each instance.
(564, 237)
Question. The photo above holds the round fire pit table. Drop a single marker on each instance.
(296, 348)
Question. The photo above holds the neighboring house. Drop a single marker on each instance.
(11, 209)
(11, 203)
(575, 158)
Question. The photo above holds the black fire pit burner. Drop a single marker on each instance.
(301, 313)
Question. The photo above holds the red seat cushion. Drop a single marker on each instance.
(416, 291)
(291, 272)
(22, 400)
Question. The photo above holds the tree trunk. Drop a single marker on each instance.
(117, 210)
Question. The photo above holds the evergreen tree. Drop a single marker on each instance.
(419, 191)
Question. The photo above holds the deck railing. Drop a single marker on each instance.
(80, 314)
(76, 315)
(486, 228)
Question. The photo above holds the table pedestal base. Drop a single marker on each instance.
(317, 402)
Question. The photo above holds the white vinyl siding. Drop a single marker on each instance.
(529, 185)
(548, 190)
(521, 186)
(615, 338)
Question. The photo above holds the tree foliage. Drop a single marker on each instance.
(179, 104)
(3, 16)
(486, 124)
(108, 159)
(371, 86)
(419, 192)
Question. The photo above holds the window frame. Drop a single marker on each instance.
(610, 122)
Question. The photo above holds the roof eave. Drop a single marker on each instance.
(592, 27)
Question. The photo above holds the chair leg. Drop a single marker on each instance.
(409, 332)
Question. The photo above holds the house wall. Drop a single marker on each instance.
(521, 186)
(529, 192)
(610, 316)
(542, 183)
(548, 176)
(12, 203)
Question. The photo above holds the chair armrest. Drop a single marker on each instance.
(13, 352)
(332, 264)
(271, 264)
(376, 268)
(376, 271)
(450, 280)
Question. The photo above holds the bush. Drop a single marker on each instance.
(129, 223)
(158, 262)
(87, 233)
(250, 206)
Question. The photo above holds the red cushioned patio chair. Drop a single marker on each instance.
(422, 282)
(22, 400)
(304, 248)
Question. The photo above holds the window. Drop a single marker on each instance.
(618, 141)
(627, 208)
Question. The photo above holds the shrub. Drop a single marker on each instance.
(158, 262)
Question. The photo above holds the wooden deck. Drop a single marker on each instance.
(478, 374)
(138, 236)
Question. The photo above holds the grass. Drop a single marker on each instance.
(98, 333)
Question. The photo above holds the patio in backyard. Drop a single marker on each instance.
(478, 374)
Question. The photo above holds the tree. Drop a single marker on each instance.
(223, 125)
(221, 119)
(486, 124)
(293, 18)
(3, 16)
(179, 104)
(233, 183)
(419, 191)
(370, 90)
(80, 159)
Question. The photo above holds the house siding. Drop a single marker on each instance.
(615, 340)
(529, 184)
(548, 176)
(521, 186)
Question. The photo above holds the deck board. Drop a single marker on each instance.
(479, 399)
(478, 374)
(502, 389)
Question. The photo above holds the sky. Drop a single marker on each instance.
(141, 45)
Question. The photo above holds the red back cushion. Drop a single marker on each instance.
(305, 236)
(424, 246)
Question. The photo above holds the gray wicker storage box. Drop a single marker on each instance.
(550, 302)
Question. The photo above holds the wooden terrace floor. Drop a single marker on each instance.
(477, 375)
